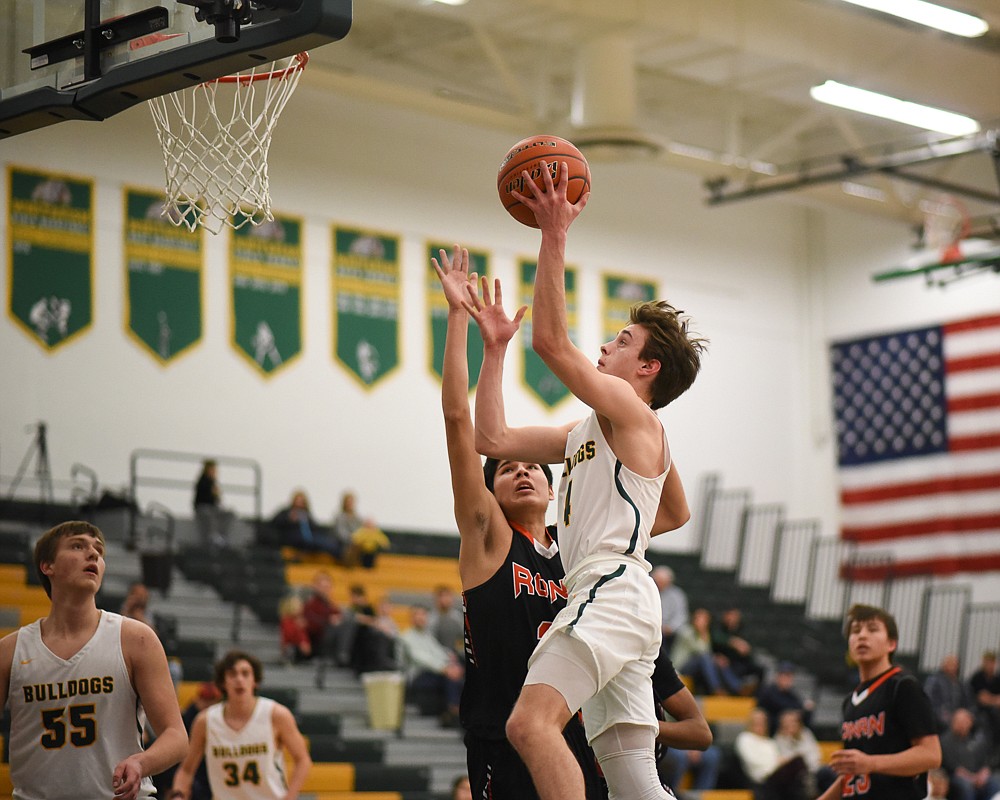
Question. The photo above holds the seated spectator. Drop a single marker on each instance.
(360, 642)
(296, 646)
(321, 613)
(938, 785)
(728, 642)
(446, 621)
(965, 756)
(947, 691)
(701, 765)
(795, 739)
(692, 654)
(430, 667)
(780, 695)
(771, 776)
(360, 539)
(136, 602)
(367, 542)
(673, 604)
(297, 528)
(213, 520)
(347, 521)
(985, 687)
(384, 619)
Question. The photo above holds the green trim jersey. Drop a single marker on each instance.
(243, 764)
(604, 507)
(72, 720)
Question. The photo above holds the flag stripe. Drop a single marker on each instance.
(972, 523)
(974, 402)
(985, 442)
(947, 565)
(940, 485)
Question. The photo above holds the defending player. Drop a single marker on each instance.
(889, 731)
(80, 682)
(242, 739)
(599, 653)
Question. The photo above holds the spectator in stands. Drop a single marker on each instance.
(771, 776)
(965, 755)
(947, 691)
(384, 619)
(727, 641)
(447, 621)
(673, 604)
(297, 528)
(985, 686)
(367, 542)
(938, 785)
(296, 646)
(430, 667)
(780, 695)
(361, 643)
(321, 613)
(136, 602)
(347, 522)
(692, 653)
(213, 520)
(795, 739)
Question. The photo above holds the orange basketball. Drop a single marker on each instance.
(526, 155)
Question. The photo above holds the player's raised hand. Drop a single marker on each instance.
(454, 276)
(552, 210)
(495, 326)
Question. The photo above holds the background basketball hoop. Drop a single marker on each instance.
(215, 138)
(946, 224)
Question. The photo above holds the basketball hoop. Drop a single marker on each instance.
(215, 138)
(946, 224)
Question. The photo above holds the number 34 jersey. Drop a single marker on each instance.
(72, 720)
(243, 764)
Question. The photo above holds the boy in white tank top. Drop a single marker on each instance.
(616, 486)
(242, 739)
(80, 684)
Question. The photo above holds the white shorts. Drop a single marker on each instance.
(614, 610)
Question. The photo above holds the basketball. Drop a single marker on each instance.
(527, 155)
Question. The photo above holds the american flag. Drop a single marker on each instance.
(918, 432)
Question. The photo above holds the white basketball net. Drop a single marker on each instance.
(215, 138)
(946, 223)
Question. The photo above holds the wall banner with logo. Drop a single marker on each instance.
(367, 300)
(51, 238)
(535, 374)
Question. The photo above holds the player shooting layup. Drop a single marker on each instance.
(599, 653)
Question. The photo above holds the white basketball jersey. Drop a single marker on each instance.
(603, 505)
(72, 721)
(243, 764)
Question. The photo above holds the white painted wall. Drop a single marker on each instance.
(768, 281)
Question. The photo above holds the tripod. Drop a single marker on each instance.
(39, 447)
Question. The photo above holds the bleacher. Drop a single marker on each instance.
(213, 595)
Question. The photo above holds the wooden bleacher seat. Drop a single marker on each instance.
(329, 777)
(351, 796)
(726, 794)
(6, 787)
(726, 709)
(392, 573)
(826, 748)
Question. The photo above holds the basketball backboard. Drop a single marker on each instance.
(90, 59)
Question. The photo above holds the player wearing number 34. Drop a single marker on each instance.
(80, 684)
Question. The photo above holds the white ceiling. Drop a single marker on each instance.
(723, 80)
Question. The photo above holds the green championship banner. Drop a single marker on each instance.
(265, 278)
(51, 237)
(438, 306)
(163, 269)
(367, 297)
(535, 374)
(621, 292)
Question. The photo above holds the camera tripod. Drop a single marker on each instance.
(38, 449)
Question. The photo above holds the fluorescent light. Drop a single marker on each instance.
(881, 105)
(449, 2)
(863, 191)
(929, 14)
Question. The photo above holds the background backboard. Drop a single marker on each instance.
(90, 59)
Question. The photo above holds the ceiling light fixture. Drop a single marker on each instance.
(929, 14)
(449, 2)
(882, 105)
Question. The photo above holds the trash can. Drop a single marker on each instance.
(384, 692)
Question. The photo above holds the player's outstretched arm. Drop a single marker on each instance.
(7, 644)
(184, 776)
(291, 739)
(494, 438)
(151, 678)
(673, 510)
(923, 754)
(690, 730)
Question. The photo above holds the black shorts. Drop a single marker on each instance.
(496, 771)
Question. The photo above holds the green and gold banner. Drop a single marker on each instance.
(438, 306)
(51, 238)
(265, 276)
(163, 278)
(535, 374)
(367, 298)
(621, 292)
